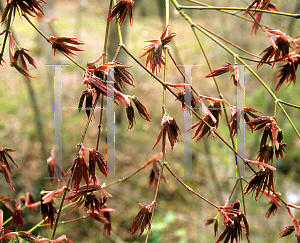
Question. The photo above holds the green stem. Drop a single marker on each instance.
(164, 111)
(255, 20)
(120, 35)
(271, 93)
(119, 28)
(165, 80)
(41, 222)
(167, 4)
(155, 198)
(182, 74)
(67, 221)
(224, 11)
(226, 116)
(227, 119)
(223, 105)
(215, 81)
(260, 80)
(232, 190)
(230, 43)
(177, 6)
(73, 60)
(166, 52)
(37, 225)
(6, 221)
(297, 16)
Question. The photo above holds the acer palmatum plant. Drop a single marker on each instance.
(155, 50)
(169, 126)
(143, 218)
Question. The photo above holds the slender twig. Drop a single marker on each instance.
(233, 189)
(119, 27)
(166, 55)
(177, 6)
(7, 221)
(171, 91)
(247, 66)
(297, 16)
(60, 208)
(167, 5)
(272, 94)
(165, 80)
(125, 178)
(6, 35)
(255, 20)
(106, 33)
(104, 58)
(100, 122)
(275, 193)
(148, 71)
(41, 222)
(67, 221)
(230, 43)
(69, 180)
(243, 197)
(102, 102)
(215, 81)
(190, 108)
(89, 120)
(187, 187)
(225, 11)
(36, 28)
(226, 115)
(155, 199)
(289, 104)
(251, 60)
(85, 129)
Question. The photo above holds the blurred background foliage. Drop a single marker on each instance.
(26, 120)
